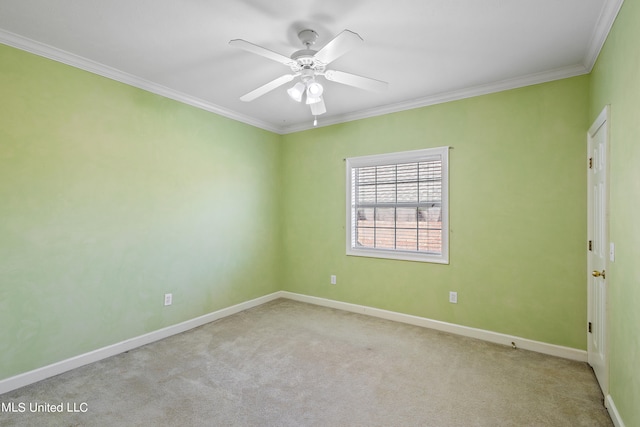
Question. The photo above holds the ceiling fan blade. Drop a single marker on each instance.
(341, 44)
(318, 108)
(262, 51)
(355, 80)
(267, 87)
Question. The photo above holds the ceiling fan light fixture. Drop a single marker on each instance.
(318, 108)
(314, 89)
(314, 92)
(297, 91)
(313, 100)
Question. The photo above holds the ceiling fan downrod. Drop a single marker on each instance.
(308, 37)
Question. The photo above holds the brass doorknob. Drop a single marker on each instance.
(596, 273)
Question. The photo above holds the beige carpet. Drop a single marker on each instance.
(292, 364)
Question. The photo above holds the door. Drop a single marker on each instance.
(598, 250)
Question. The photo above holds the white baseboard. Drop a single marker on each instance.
(57, 368)
(613, 411)
(494, 337)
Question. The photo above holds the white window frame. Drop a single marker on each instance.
(394, 159)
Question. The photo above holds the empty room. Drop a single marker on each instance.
(323, 213)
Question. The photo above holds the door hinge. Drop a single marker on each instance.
(591, 245)
(589, 327)
(590, 162)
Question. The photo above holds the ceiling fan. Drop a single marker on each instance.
(309, 64)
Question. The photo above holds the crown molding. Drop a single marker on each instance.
(607, 17)
(608, 14)
(528, 80)
(41, 49)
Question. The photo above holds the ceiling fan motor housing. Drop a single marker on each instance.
(304, 59)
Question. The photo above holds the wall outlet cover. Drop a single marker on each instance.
(453, 297)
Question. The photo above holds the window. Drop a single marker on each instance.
(397, 205)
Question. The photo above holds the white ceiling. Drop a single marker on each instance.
(429, 51)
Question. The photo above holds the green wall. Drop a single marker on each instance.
(517, 213)
(616, 81)
(111, 196)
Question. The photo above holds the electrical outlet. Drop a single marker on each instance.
(333, 279)
(453, 297)
(168, 299)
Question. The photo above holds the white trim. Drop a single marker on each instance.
(59, 55)
(603, 117)
(606, 19)
(57, 368)
(600, 366)
(494, 337)
(608, 14)
(426, 154)
(441, 98)
(613, 411)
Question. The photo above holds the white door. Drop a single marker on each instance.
(599, 250)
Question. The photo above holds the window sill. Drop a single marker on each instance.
(398, 255)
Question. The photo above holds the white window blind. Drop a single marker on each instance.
(397, 205)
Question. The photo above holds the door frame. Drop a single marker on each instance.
(603, 119)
